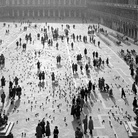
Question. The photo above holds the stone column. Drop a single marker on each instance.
(53, 13)
(28, 13)
(22, 13)
(124, 27)
(137, 33)
(58, 13)
(38, 13)
(134, 33)
(33, 13)
(13, 13)
(129, 32)
(18, 13)
(64, 14)
(80, 14)
(43, 13)
(74, 2)
(48, 1)
(69, 13)
(74, 13)
(48, 13)
(69, 2)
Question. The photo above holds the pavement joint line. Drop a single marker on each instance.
(100, 97)
(100, 120)
(114, 53)
(100, 137)
(103, 126)
(71, 65)
(121, 76)
(123, 72)
(105, 54)
(113, 128)
(11, 43)
(131, 80)
(86, 79)
(13, 35)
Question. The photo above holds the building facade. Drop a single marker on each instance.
(120, 15)
(43, 8)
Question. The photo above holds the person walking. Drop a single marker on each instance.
(48, 132)
(85, 122)
(3, 81)
(135, 104)
(91, 125)
(10, 135)
(3, 98)
(123, 95)
(77, 132)
(56, 132)
(38, 131)
(42, 123)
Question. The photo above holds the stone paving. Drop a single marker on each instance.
(33, 105)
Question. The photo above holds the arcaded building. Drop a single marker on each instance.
(120, 15)
(43, 8)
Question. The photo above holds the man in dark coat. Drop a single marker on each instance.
(42, 123)
(38, 65)
(132, 72)
(13, 92)
(39, 131)
(10, 84)
(19, 91)
(48, 131)
(2, 81)
(85, 122)
(3, 98)
(56, 132)
(85, 51)
(10, 135)
(134, 88)
(16, 81)
(73, 110)
(73, 67)
(53, 76)
(90, 125)
(123, 94)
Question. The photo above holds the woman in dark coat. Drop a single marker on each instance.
(48, 132)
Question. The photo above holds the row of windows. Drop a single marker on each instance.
(42, 2)
(132, 14)
(118, 1)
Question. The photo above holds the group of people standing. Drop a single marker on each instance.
(13, 90)
(43, 129)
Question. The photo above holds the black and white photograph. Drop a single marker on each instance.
(68, 68)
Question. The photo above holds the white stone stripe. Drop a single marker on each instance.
(11, 43)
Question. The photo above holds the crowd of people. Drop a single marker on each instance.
(80, 100)
(14, 89)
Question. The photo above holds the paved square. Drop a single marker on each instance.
(23, 65)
